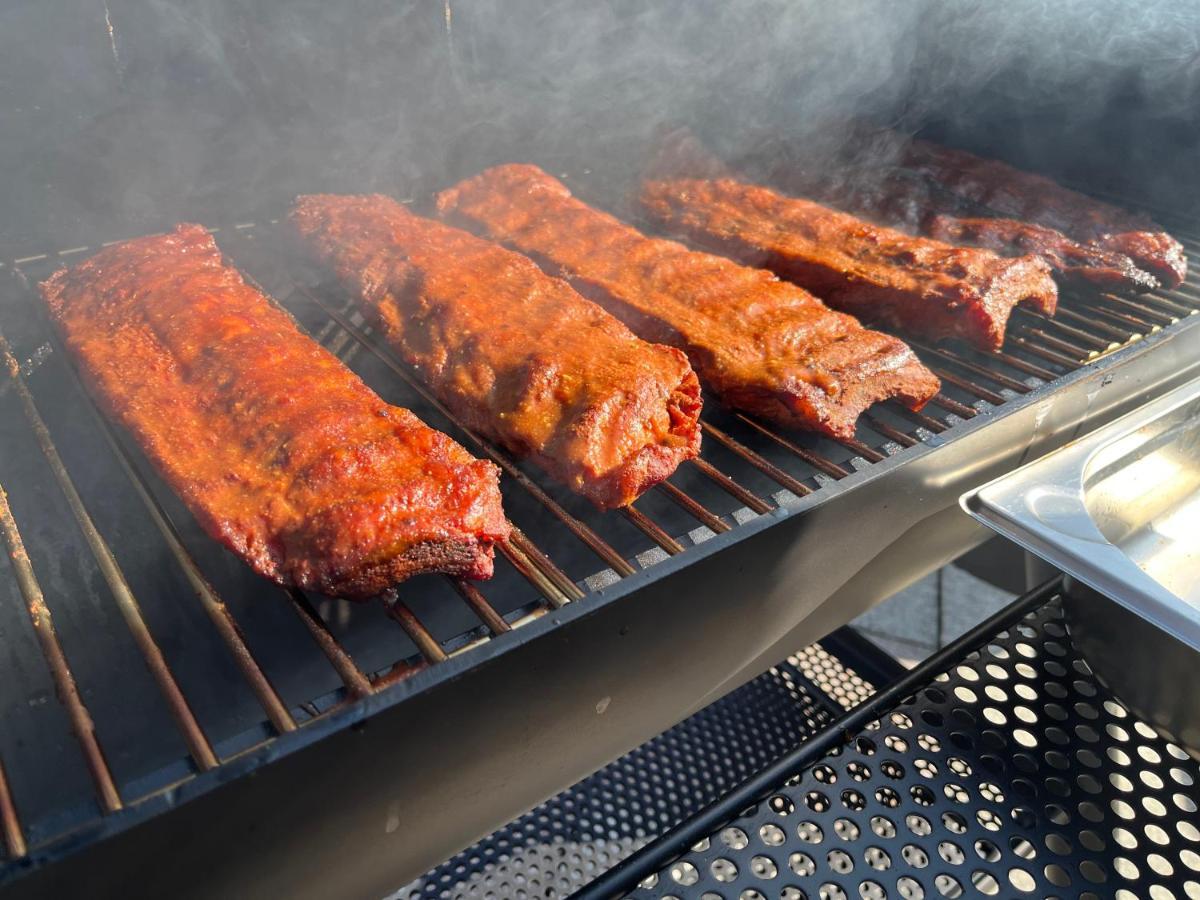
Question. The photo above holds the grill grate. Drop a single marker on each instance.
(561, 845)
(1007, 769)
(155, 689)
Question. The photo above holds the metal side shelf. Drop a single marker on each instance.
(1000, 767)
(570, 839)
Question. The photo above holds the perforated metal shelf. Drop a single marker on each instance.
(1002, 768)
(567, 841)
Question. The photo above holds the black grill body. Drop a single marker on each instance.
(261, 740)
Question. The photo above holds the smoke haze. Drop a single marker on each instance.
(134, 113)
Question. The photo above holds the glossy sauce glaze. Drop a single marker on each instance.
(763, 345)
(279, 451)
(518, 355)
(913, 284)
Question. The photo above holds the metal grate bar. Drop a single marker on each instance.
(213, 605)
(949, 355)
(356, 683)
(951, 405)
(127, 604)
(731, 487)
(522, 564)
(765, 466)
(813, 459)
(577, 528)
(60, 671)
(927, 422)
(967, 385)
(478, 603)
(558, 577)
(894, 434)
(746, 496)
(694, 509)
(1169, 311)
(651, 530)
(1095, 321)
(1124, 322)
(14, 840)
(1023, 365)
(1070, 339)
(868, 453)
(1029, 346)
(426, 642)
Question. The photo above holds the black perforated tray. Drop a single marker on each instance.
(1001, 767)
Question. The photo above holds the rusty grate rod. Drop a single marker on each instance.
(763, 465)
(577, 528)
(1095, 320)
(127, 604)
(1186, 290)
(816, 460)
(1069, 337)
(1023, 365)
(951, 405)
(927, 422)
(557, 576)
(746, 496)
(729, 486)
(357, 684)
(870, 454)
(60, 671)
(1025, 344)
(521, 562)
(14, 840)
(894, 434)
(487, 614)
(951, 356)
(697, 511)
(1064, 353)
(402, 615)
(651, 530)
(1168, 310)
(967, 385)
(1123, 322)
(213, 605)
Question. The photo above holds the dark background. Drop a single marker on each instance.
(219, 110)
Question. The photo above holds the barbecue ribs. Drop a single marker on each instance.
(764, 345)
(1009, 191)
(518, 355)
(917, 285)
(281, 452)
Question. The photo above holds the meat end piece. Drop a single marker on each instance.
(280, 452)
(517, 355)
(916, 285)
(1075, 263)
(1009, 191)
(763, 345)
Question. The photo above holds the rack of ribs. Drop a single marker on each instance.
(859, 181)
(1009, 191)
(916, 285)
(280, 452)
(517, 355)
(763, 345)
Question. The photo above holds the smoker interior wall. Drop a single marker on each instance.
(130, 114)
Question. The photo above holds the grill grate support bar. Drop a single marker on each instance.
(198, 745)
(356, 683)
(763, 465)
(64, 680)
(10, 825)
(212, 604)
